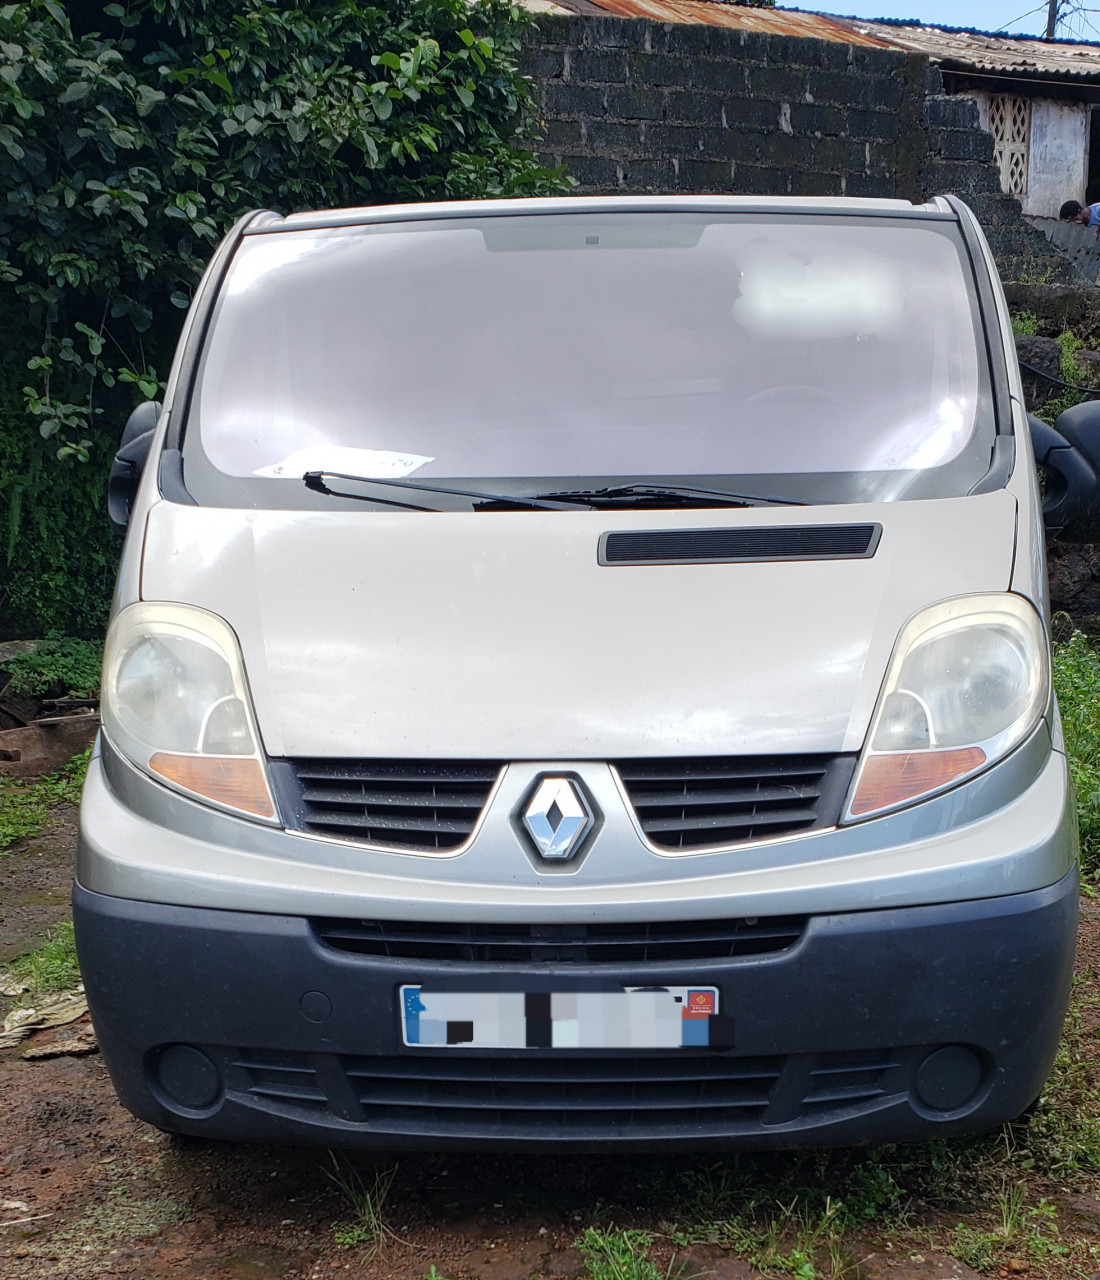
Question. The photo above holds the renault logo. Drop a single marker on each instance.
(557, 818)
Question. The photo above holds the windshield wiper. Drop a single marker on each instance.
(641, 493)
(623, 495)
(318, 482)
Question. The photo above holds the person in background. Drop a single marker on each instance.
(1089, 214)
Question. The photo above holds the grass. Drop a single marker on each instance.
(1028, 1233)
(1062, 1138)
(1077, 684)
(25, 804)
(619, 1255)
(365, 1229)
(793, 1215)
(52, 967)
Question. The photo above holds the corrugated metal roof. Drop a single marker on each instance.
(714, 13)
(956, 48)
(964, 49)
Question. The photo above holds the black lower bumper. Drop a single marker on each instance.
(871, 1026)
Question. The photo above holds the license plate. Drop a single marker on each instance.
(619, 1018)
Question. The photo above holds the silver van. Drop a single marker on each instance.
(580, 675)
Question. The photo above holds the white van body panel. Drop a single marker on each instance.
(501, 636)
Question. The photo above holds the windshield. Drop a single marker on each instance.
(823, 358)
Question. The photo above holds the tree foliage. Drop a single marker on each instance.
(127, 150)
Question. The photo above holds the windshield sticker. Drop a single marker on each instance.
(376, 464)
(835, 295)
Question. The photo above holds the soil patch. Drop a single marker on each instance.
(37, 877)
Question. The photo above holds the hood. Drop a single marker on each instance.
(499, 635)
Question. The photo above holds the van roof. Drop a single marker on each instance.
(936, 209)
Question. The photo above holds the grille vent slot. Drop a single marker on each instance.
(416, 805)
(587, 1097)
(740, 546)
(591, 944)
(684, 804)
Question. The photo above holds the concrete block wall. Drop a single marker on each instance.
(634, 106)
(958, 157)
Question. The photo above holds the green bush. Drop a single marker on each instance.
(127, 151)
(59, 665)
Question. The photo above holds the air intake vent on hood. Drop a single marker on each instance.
(733, 546)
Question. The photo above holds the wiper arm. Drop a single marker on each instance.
(567, 500)
(625, 494)
(318, 482)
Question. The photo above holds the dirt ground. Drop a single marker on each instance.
(88, 1191)
(37, 881)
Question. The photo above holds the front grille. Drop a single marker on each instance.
(687, 803)
(661, 1095)
(416, 805)
(561, 943)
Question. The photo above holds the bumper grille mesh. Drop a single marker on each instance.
(582, 1097)
(563, 944)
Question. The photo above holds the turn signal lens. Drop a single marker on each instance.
(889, 780)
(969, 679)
(236, 782)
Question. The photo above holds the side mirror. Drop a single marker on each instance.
(129, 463)
(1069, 453)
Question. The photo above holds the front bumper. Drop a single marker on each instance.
(871, 1026)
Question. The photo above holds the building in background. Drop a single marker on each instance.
(620, 124)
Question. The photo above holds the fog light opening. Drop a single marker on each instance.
(187, 1078)
(949, 1078)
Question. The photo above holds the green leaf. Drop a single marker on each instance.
(75, 92)
(179, 299)
(466, 36)
(8, 137)
(464, 96)
(95, 341)
(221, 80)
(387, 59)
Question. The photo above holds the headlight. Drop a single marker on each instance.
(174, 701)
(968, 681)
